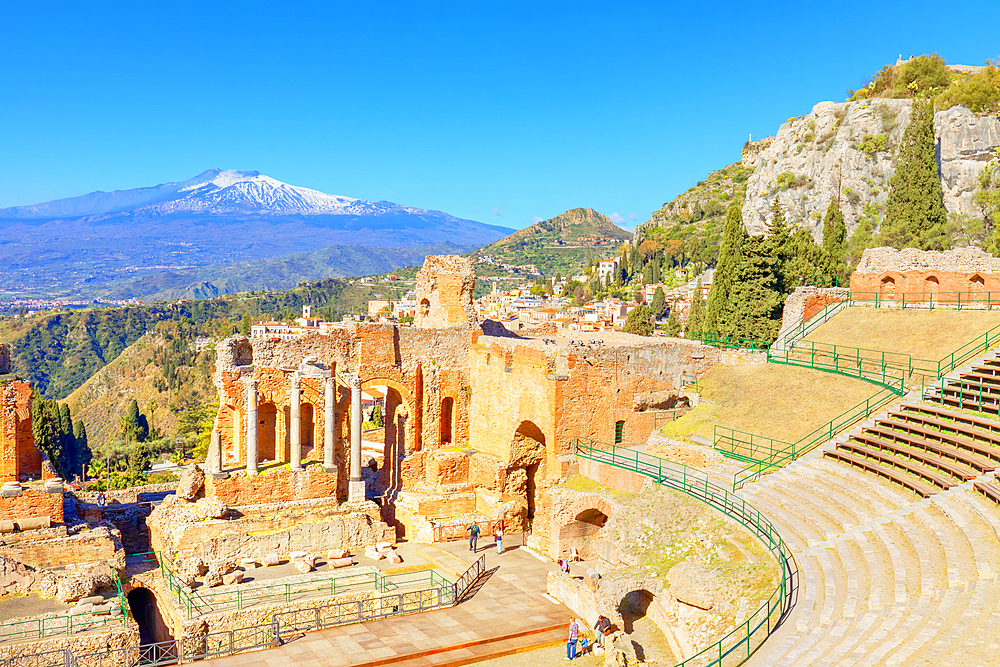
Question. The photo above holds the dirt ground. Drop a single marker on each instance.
(781, 402)
(922, 334)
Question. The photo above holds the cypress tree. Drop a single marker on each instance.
(754, 301)
(83, 453)
(915, 215)
(776, 245)
(834, 235)
(673, 325)
(67, 443)
(46, 432)
(734, 235)
(659, 304)
(696, 314)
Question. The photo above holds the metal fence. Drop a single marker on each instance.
(67, 624)
(737, 646)
(975, 299)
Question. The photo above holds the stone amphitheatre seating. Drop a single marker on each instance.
(897, 567)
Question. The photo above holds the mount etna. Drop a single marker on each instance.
(217, 232)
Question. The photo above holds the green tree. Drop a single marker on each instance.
(915, 215)
(139, 458)
(45, 429)
(673, 325)
(987, 197)
(734, 235)
(754, 303)
(377, 416)
(696, 313)
(639, 321)
(245, 325)
(83, 453)
(834, 236)
(659, 305)
(776, 246)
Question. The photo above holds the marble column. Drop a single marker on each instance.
(295, 430)
(356, 487)
(329, 422)
(251, 427)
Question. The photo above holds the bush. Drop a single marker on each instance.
(871, 144)
(785, 180)
(979, 92)
(917, 77)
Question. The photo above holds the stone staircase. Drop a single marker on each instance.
(896, 535)
(886, 577)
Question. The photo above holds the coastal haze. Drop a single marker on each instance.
(189, 238)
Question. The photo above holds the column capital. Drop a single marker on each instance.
(250, 383)
(296, 379)
(356, 382)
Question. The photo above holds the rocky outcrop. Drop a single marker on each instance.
(846, 152)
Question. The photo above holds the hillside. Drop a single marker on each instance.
(82, 246)
(167, 377)
(694, 218)
(563, 244)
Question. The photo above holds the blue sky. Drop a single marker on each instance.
(498, 112)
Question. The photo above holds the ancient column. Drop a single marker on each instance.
(214, 458)
(251, 427)
(295, 439)
(356, 488)
(329, 421)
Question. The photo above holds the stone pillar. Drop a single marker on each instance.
(330, 422)
(214, 459)
(251, 427)
(295, 430)
(356, 487)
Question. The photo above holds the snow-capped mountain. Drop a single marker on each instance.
(212, 191)
(217, 218)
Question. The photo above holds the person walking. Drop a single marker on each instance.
(473, 531)
(601, 629)
(498, 536)
(574, 635)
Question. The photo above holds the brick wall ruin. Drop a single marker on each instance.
(887, 271)
(20, 460)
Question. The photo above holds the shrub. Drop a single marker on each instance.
(785, 180)
(980, 92)
(871, 144)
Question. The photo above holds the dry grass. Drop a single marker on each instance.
(922, 334)
(782, 402)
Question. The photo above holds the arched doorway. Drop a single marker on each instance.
(142, 605)
(642, 618)
(579, 534)
(395, 418)
(977, 282)
(447, 405)
(887, 287)
(931, 286)
(267, 419)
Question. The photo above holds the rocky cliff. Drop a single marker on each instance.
(846, 151)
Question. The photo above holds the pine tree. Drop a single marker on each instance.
(754, 304)
(659, 304)
(656, 271)
(639, 321)
(696, 314)
(915, 215)
(834, 236)
(734, 235)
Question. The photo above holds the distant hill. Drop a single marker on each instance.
(82, 245)
(565, 243)
(277, 273)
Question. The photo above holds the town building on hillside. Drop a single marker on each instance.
(605, 268)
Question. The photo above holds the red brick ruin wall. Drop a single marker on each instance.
(916, 282)
(19, 458)
(273, 486)
(32, 503)
(815, 303)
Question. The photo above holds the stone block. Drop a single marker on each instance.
(373, 554)
(34, 523)
(383, 546)
(6, 526)
(394, 557)
(336, 554)
(311, 559)
(11, 492)
(82, 609)
(270, 560)
(211, 508)
(340, 562)
(233, 578)
(296, 556)
(248, 563)
(191, 482)
(93, 599)
(303, 566)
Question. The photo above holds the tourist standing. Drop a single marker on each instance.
(601, 629)
(574, 635)
(499, 538)
(473, 531)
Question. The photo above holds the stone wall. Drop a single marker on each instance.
(56, 548)
(32, 503)
(282, 527)
(19, 458)
(280, 484)
(802, 304)
(80, 644)
(444, 292)
(888, 271)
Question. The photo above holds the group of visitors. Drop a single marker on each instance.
(602, 628)
(474, 531)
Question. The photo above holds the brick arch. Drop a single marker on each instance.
(977, 281)
(575, 525)
(931, 282)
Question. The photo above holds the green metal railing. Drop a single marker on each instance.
(68, 623)
(737, 646)
(806, 327)
(927, 300)
(727, 342)
(888, 369)
(196, 602)
(766, 455)
(663, 417)
(828, 280)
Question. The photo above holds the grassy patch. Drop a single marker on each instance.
(782, 402)
(586, 485)
(922, 334)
